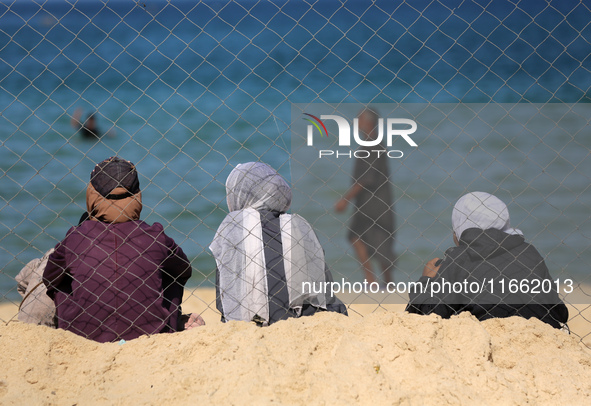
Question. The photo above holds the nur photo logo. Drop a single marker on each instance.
(389, 129)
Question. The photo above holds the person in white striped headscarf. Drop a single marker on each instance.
(264, 256)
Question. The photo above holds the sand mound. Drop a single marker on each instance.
(386, 358)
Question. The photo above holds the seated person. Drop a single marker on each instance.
(114, 276)
(492, 254)
(264, 255)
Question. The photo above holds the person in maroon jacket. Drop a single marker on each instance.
(114, 276)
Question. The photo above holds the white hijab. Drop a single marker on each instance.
(481, 210)
(239, 250)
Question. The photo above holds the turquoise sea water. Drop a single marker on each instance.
(187, 90)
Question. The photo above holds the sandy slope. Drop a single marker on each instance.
(387, 357)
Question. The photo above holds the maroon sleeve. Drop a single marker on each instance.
(55, 270)
(176, 265)
(176, 271)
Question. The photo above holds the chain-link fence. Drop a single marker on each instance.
(498, 92)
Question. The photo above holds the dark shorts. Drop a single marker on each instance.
(379, 238)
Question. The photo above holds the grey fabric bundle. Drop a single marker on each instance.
(36, 307)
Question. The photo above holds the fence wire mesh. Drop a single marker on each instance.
(188, 90)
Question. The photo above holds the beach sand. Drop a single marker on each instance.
(385, 357)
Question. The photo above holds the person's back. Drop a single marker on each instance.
(114, 286)
(485, 272)
(264, 255)
(114, 276)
